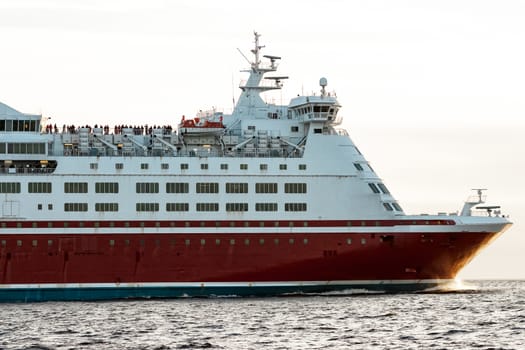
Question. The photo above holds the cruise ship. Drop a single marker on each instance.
(268, 200)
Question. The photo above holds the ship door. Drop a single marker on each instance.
(10, 208)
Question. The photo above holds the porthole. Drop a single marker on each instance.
(49, 242)
(349, 241)
(218, 242)
(291, 241)
(261, 241)
(203, 242)
(19, 243)
(232, 242)
(363, 240)
(305, 241)
(247, 241)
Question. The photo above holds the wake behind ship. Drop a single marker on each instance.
(270, 199)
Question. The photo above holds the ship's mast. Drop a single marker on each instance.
(250, 99)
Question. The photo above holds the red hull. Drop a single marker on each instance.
(211, 257)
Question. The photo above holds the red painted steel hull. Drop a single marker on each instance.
(142, 258)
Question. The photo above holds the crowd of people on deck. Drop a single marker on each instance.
(117, 129)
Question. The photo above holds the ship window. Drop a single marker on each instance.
(147, 187)
(397, 207)
(75, 207)
(318, 131)
(75, 187)
(294, 129)
(50, 207)
(232, 242)
(184, 166)
(374, 188)
(217, 242)
(363, 241)
(26, 148)
(251, 127)
(49, 242)
(93, 166)
(112, 242)
(144, 166)
(106, 207)
(236, 207)
(207, 187)
(295, 188)
(383, 188)
(9, 187)
(164, 166)
(305, 241)
(294, 206)
(349, 241)
(358, 166)
(151, 207)
(39, 187)
(387, 206)
(4, 243)
(204, 166)
(234, 187)
(207, 206)
(282, 167)
(126, 242)
(261, 241)
(263, 166)
(291, 241)
(106, 187)
(187, 242)
(224, 166)
(39, 206)
(19, 243)
(266, 187)
(177, 187)
(244, 167)
(276, 241)
(119, 166)
(302, 166)
(203, 242)
(247, 241)
(177, 207)
(142, 243)
(265, 206)
(34, 243)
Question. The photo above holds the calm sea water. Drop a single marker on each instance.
(485, 315)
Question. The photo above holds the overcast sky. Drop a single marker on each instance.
(432, 91)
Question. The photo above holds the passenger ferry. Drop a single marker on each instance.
(268, 200)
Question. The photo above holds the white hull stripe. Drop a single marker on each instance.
(222, 284)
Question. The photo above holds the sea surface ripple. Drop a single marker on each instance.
(485, 315)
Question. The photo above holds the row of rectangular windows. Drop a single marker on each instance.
(154, 207)
(23, 148)
(187, 242)
(153, 187)
(203, 166)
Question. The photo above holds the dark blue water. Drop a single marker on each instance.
(485, 315)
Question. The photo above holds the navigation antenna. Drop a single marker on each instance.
(480, 194)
